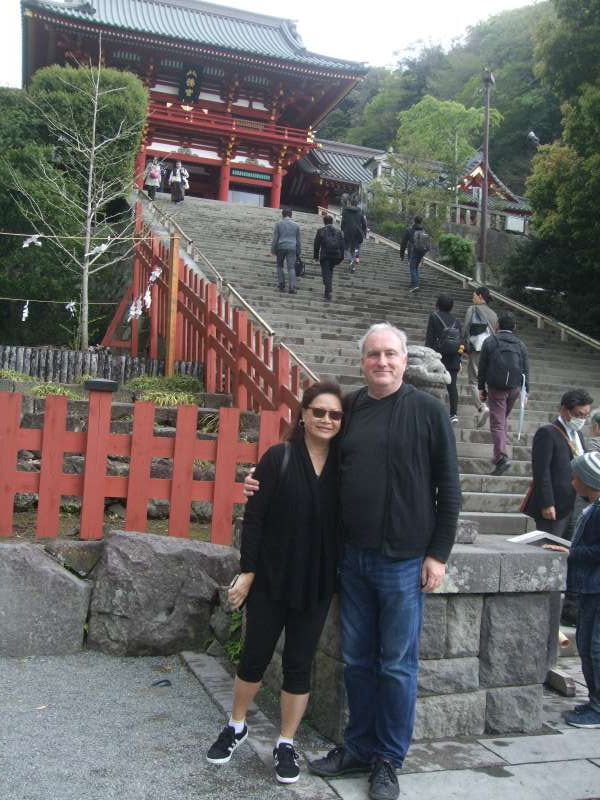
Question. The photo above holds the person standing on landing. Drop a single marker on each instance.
(399, 504)
(152, 178)
(289, 555)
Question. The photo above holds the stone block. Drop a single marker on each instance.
(448, 676)
(433, 632)
(514, 709)
(466, 531)
(43, 607)
(78, 557)
(514, 640)
(472, 569)
(531, 569)
(450, 715)
(463, 625)
(328, 709)
(154, 595)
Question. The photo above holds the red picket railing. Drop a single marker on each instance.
(205, 327)
(97, 444)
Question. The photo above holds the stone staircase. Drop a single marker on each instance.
(237, 239)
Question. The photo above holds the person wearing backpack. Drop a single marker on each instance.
(417, 241)
(152, 178)
(444, 334)
(329, 251)
(503, 374)
(354, 228)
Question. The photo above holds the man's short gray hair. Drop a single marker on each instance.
(381, 327)
(595, 416)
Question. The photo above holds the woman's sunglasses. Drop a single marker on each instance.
(321, 413)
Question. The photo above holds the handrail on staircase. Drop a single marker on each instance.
(170, 224)
(300, 363)
(466, 280)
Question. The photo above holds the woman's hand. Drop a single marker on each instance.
(251, 485)
(239, 589)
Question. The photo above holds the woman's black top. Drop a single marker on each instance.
(289, 535)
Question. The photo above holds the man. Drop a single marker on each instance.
(286, 247)
(552, 496)
(418, 243)
(329, 251)
(354, 227)
(504, 370)
(480, 322)
(399, 504)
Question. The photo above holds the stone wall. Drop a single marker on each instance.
(489, 636)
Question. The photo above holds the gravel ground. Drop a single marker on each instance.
(92, 727)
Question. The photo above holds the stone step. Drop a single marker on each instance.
(500, 524)
(504, 484)
(470, 465)
(493, 502)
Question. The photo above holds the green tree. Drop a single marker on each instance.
(89, 122)
(442, 130)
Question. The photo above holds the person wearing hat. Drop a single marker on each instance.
(583, 579)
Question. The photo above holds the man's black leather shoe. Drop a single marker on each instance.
(383, 782)
(337, 762)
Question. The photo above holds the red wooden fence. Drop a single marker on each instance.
(238, 358)
(53, 441)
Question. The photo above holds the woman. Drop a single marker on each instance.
(152, 178)
(444, 335)
(288, 566)
(178, 181)
(593, 442)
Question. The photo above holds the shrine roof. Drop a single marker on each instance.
(341, 162)
(200, 23)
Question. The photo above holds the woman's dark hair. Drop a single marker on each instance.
(295, 430)
(444, 302)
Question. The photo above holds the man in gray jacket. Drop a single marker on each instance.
(286, 247)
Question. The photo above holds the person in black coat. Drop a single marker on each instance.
(289, 555)
(440, 322)
(354, 228)
(552, 496)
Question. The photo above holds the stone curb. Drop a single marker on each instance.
(218, 684)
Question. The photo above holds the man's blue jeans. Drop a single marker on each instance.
(381, 613)
(588, 644)
(413, 265)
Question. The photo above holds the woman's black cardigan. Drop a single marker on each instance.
(289, 533)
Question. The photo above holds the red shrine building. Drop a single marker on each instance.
(234, 95)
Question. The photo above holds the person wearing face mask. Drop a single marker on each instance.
(552, 497)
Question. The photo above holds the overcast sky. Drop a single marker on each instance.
(363, 30)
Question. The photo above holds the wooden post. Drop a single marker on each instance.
(210, 355)
(96, 451)
(276, 188)
(55, 424)
(224, 181)
(172, 305)
(240, 326)
(10, 416)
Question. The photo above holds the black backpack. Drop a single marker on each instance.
(505, 367)
(449, 339)
(332, 244)
(421, 242)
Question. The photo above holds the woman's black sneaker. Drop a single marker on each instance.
(227, 741)
(285, 763)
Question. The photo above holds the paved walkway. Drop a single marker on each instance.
(94, 727)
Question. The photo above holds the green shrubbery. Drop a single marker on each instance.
(176, 383)
(457, 253)
(54, 390)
